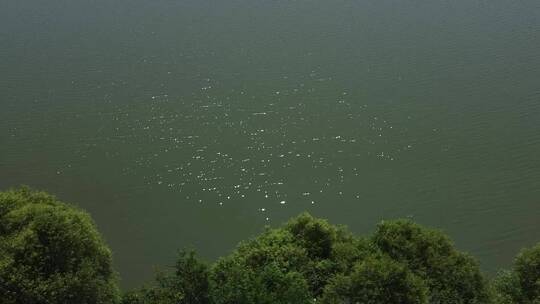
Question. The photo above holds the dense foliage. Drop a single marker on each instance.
(187, 284)
(308, 260)
(451, 276)
(51, 253)
(376, 280)
(522, 283)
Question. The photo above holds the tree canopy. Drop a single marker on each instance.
(308, 260)
(522, 283)
(51, 252)
(451, 276)
(377, 280)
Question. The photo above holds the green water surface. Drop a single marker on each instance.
(195, 123)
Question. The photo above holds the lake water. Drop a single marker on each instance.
(196, 123)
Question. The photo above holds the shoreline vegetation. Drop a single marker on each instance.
(51, 252)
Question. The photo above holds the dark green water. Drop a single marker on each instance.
(196, 123)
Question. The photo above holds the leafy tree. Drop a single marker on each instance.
(264, 270)
(451, 276)
(330, 249)
(192, 278)
(316, 236)
(506, 289)
(188, 284)
(527, 269)
(164, 291)
(51, 252)
(376, 280)
(291, 264)
(522, 284)
(234, 284)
